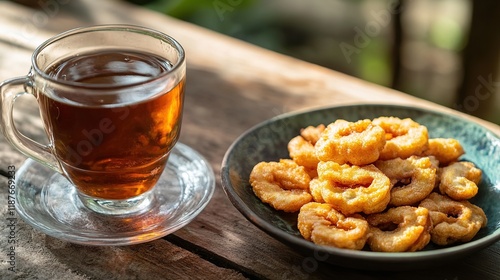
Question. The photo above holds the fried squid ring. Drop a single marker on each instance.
(412, 179)
(400, 229)
(284, 184)
(352, 189)
(315, 187)
(323, 225)
(453, 221)
(302, 152)
(357, 143)
(312, 133)
(301, 147)
(445, 150)
(459, 180)
(404, 137)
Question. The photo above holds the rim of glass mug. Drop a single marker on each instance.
(62, 46)
(59, 47)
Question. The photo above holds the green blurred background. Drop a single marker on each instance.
(446, 51)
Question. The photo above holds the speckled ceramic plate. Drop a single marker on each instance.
(268, 142)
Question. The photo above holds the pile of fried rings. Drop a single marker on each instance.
(381, 183)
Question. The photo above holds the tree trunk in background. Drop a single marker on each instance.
(481, 59)
(396, 46)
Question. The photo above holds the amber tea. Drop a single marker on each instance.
(112, 146)
(111, 101)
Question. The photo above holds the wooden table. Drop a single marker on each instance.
(231, 86)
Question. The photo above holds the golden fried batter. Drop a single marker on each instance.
(453, 221)
(301, 148)
(352, 189)
(284, 185)
(400, 229)
(358, 183)
(459, 180)
(302, 152)
(413, 179)
(312, 133)
(445, 150)
(404, 137)
(322, 224)
(357, 143)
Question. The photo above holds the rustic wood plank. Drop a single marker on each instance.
(44, 257)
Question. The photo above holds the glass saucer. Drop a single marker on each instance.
(49, 203)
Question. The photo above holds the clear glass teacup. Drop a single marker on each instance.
(111, 101)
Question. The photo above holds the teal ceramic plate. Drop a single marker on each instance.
(268, 142)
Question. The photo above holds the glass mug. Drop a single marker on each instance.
(111, 102)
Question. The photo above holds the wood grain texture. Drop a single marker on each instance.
(231, 86)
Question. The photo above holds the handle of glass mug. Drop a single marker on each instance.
(9, 91)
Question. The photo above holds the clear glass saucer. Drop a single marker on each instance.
(49, 203)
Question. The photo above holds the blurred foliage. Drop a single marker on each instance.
(249, 21)
(376, 57)
(191, 9)
(447, 33)
(435, 34)
(179, 8)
